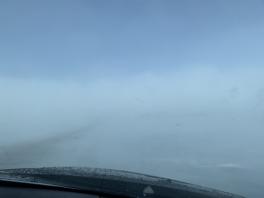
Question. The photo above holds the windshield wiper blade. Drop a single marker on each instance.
(109, 182)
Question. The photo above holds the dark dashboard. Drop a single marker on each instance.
(18, 192)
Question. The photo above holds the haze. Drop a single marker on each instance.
(168, 88)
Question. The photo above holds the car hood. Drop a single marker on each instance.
(109, 182)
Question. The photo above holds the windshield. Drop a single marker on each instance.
(167, 88)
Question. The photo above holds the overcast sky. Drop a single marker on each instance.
(170, 88)
(53, 39)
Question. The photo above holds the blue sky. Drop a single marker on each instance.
(54, 39)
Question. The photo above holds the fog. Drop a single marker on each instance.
(202, 125)
(168, 88)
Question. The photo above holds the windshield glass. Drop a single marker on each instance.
(168, 88)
